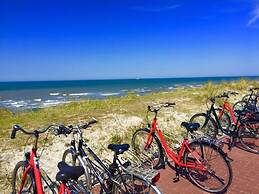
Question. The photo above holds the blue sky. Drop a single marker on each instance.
(99, 39)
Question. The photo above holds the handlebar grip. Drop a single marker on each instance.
(170, 103)
(13, 134)
(234, 93)
(93, 121)
(15, 129)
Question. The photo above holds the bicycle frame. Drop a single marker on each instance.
(177, 158)
(63, 189)
(228, 107)
(235, 121)
(33, 166)
(84, 157)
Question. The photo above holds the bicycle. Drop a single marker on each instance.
(220, 119)
(111, 177)
(32, 179)
(249, 100)
(195, 157)
(243, 128)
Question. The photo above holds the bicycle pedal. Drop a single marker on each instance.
(162, 165)
(176, 179)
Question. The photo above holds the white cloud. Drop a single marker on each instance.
(255, 16)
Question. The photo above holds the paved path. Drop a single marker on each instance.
(245, 168)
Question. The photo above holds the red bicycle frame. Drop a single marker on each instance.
(34, 166)
(63, 189)
(177, 158)
(228, 107)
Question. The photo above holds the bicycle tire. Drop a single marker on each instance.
(204, 122)
(246, 132)
(247, 96)
(158, 156)
(31, 182)
(69, 153)
(243, 105)
(197, 177)
(140, 185)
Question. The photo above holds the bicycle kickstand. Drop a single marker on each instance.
(176, 178)
(231, 143)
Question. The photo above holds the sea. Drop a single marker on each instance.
(30, 95)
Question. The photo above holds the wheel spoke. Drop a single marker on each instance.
(218, 175)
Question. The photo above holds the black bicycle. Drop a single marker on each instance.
(102, 176)
(249, 100)
(244, 128)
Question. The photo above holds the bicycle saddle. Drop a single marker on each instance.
(191, 127)
(67, 172)
(118, 148)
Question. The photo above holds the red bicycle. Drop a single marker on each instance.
(27, 176)
(204, 161)
(227, 114)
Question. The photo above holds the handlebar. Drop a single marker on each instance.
(59, 129)
(35, 132)
(156, 108)
(63, 130)
(252, 89)
(224, 95)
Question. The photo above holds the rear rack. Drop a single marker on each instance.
(140, 164)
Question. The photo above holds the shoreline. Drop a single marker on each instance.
(19, 96)
(59, 98)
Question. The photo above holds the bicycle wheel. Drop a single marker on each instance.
(218, 175)
(208, 126)
(154, 151)
(247, 96)
(239, 106)
(69, 158)
(29, 185)
(132, 184)
(225, 120)
(248, 136)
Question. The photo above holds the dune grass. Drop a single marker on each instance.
(131, 104)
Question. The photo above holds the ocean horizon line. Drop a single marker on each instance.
(136, 78)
